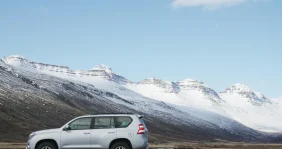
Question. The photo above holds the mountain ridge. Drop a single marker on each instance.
(101, 67)
(237, 102)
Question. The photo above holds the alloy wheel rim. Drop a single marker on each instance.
(46, 147)
(120, 147)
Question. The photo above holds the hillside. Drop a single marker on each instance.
(37, 96)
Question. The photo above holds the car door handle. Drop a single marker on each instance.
(86, 133)
(111, 132)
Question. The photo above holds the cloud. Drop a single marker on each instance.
(209, 4)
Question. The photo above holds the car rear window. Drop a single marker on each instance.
(122, 121)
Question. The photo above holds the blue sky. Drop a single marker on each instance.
(218, 42)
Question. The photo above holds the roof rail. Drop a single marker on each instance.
(112, 113)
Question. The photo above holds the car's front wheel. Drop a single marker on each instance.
(120, 145)
(46, 145)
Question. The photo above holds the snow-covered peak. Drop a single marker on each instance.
(101, 71)
(154, 81)
(20, 61)
(240, 87)
(109, 73)
(168, 86)
(245, 92)
(49, 67)
(190, 82)
(107, 69)
(194, 85)
(14, 59)
(17, 61)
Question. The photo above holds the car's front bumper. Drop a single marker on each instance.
(27, 146)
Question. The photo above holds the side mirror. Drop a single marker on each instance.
(66, 128)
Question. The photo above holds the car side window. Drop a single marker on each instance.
(81, 124)
(104, 123)
(122, 122)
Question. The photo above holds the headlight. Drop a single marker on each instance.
(31, 135)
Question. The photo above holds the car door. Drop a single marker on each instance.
(78, 135)
(103, 132)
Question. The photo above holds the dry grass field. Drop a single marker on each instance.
(181, 146)
(12, 145)
(219, 146)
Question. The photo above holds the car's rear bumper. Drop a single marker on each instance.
(141, 144)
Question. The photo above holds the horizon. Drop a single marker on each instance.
(218, 43)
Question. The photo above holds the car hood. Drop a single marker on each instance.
(48, 131)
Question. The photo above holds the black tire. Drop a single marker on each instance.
(120, 144)
(46, 144)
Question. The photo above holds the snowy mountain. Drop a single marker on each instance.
(252, 108)
(103, 67)
(243, 91)
(166, 86)
(188, 108)
(190, 84)
(101, 71)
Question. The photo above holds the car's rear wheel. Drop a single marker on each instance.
(120, 145)
(46, 145)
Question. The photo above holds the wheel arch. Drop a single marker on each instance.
(47, 140)
(121, 140)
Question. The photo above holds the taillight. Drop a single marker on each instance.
(141, 129)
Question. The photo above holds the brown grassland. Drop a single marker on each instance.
(191, 145)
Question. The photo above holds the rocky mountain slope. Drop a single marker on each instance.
(36, 96)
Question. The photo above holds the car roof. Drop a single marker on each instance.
(112, 114)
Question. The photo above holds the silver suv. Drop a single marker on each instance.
(107, 131)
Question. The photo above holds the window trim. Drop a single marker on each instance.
(92, 123)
